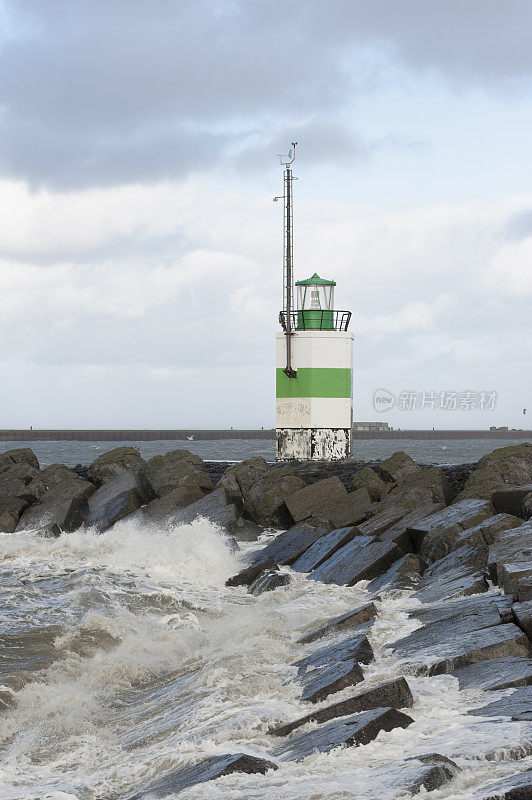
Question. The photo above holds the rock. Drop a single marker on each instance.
(248, 575)
(177, 468)
(460, 582)
(239, 479)
(399, 467)
(367, 478)
(486, 606)
(10, 511)
(115, 462)
(512, 501)
(495, 674)
(427, 771)
(267, 581)
(506, 466)
(333, 668)
(114, 500)
(213, 507)
(360, 559)
(172, 502)
(60, 508)
(245, 530)
(355, 730)
(431, 484)
(517, 705)
(393, 694)
(404, 574)
(311, 500)
(486, 532)
(382, 521)
(207, 770)
(56, 474)
(511, 546)
(350, 619)
(516, 579)
(291, 544)
(438, 532)
(453, 649)
(517, 787)
(323, 548)
(265, 501)
(400, 531)
(523, 616)
(475, 559)
(23, 481)
(21, 455)
(349, 510)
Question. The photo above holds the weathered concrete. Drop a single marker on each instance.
(360, 559)
(495, 674)
(351, 731)
(323, 549)
(350, 619)
(207, 770)
(393, 694)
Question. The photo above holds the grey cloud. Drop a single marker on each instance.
(518, 226)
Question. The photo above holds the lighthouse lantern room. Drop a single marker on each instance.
(314, 407)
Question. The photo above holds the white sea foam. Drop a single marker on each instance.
(157, 665)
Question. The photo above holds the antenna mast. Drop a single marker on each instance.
(288, 274)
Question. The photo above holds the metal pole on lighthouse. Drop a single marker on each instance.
(288, 275)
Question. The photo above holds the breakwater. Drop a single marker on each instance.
(115, 435)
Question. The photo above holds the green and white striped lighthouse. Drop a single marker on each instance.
(314, 406)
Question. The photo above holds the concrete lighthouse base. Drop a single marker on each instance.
(313, 444)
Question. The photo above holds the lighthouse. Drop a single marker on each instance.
(314, 406)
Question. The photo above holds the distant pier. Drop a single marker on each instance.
(196, 435)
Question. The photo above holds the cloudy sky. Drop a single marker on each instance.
(140, 251)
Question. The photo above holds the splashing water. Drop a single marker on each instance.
(126, 657)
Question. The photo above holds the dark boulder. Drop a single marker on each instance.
(323, 548)
(400, 531)
(360, 559)
(291, 544)
(517, 706)
(427, 772)
(177, 468)
(438, 532)
(431, 484)
(114, 500)
(60, 509)
(349, 510)
(245, 530)
(523, 616)
(207, 770)
(367, 478)
(516, 580)
(213, 507)
(351, 731)
(267, 581)
(23, 481)
(350, 619)
(404, 574)
(239, 479)
(510, 547)
(459, 582)
(10, 511)
(265, 501)
(495, 674)
(493, 607)
(170, 503)
(332, 668)
(246, 576)
(311, 500)
(398, 467)
(21, 455)
(506, 466)
(513, 501)
(115, 462)
(437, 653)
(393, 694)
(475, 559)
(486, 532)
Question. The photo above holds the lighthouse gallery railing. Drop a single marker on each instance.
(316, 320)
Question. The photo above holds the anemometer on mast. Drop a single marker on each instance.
(288, 274)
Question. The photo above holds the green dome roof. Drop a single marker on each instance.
(316, 280)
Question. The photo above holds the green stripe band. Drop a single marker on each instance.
(315, 382)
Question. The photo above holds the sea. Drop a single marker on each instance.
(124, 657)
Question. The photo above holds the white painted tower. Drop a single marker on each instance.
(314, 406)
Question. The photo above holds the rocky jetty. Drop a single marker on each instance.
(456, 541)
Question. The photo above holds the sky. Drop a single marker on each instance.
(141, 253)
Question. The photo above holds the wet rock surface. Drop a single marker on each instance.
(114, 500)
(516, 787)
(332, 668)
(267, 581)
(357, 729)
(363, 558)
(517, 706)
(323, 549)
(350, 619)
(495, 674)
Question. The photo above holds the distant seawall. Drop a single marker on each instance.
(183, 435)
